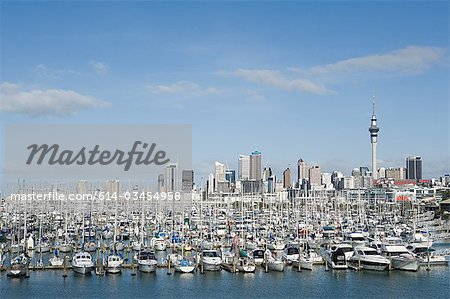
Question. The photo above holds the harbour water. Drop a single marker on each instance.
(290, 283)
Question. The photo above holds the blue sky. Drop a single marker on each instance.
(291, 79)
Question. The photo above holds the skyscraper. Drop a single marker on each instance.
(315, 178)
(220, 171)
(373, 129)
(255, 166)
(244, 167)
(287, 181)
(230, 176)
(302, 170)
(112, 187)
(161, 185)
(187, 180)
(171, 178)
(414, 168)
(267, 173)
(82, 187)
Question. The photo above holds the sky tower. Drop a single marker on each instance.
(373, 129)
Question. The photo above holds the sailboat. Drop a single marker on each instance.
(82, 261)
(20, 263)
(19, 266)
(114, 261)
(55, 260)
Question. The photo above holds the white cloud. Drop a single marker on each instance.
(184, 87)
(254, 96)
(48, 102)
(46, 72)
(277, 79)
(100, 68)
(411, 59)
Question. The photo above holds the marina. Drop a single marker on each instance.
(240, 236)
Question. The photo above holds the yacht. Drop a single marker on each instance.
(211, 260)
(400, 257)
(369, 259)
(338, 255)
(113, 264)
(257, 255)
(273, 264)
(19, 266)
(427, 254)
(356, 239)
(306, 262)
(182, 264)
(55, 260)
(147, 262)
(246, 265)
(290, 254)
(82, 263)
(42, 246)
(277, 244)
(159, 244)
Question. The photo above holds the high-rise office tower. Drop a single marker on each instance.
(315, 178)
(287, 181)
(82, 187)
(244, 168)
(220, 171)
(255, 166)
(267, 173)
(396, 173)
(171, 178)
(187, 180)
(161, 185)
(414, 168)
(230, 176)
(302, 170)
(112, 187)
(373, 129)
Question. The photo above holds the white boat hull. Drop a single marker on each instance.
(276, 266)
(147, 268)
(211, 266)
(405, 264)
(82, 269)
(184, 269)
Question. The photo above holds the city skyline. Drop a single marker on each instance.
(292, 80)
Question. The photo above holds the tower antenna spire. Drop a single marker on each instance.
(373, 129)
(373, 105)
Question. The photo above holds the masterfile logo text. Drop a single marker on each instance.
(72, 152)
(95, 156)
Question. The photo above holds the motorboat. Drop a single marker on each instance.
(399, 256)
(113, 264)
(82, 263)
(211, 260)
(338, 254)
(147, 262)
(368, 258)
